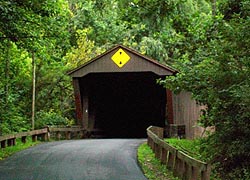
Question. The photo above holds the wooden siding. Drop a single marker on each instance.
(187, 112)
(137, 63)
(78, 101)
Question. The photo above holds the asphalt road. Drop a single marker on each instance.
(107, 159)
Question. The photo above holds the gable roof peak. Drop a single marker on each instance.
(146, 63)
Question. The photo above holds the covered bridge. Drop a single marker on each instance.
(116, 93)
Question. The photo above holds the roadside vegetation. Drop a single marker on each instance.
(151, 166)
(196, 149)
(208, 42)
(8, 151)
(190, 147)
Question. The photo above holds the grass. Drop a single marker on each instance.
(190, 147)
(152, 167)
(8, 151)
(193, 149)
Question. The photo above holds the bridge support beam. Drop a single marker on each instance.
(78, 101)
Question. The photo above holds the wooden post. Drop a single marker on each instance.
(188, 172)
(213, 7)
(170, 111)
(78, 101)
(68, 135)
(58, 135)
(44, 137)
(177, 167)
(158, 151)
(195, 173)
(34, 138)
(14, 141)
(163, 156)
(150, 142)
(205, 175)
(182, 169)
(33, 91)
(81, 134)
(10, 142)
(171, 160)
(3, 144)
(23, 139)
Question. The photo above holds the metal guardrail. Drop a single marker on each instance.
(183, 165)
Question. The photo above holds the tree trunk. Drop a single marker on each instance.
(213, 7)
(33, 91)
(7, 75)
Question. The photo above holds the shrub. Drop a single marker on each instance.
(50, 118)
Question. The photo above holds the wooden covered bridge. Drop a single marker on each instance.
(116, 93)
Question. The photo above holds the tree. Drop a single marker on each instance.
(84, 51)
(218, 75)
(29, 26)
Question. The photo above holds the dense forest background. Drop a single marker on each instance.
(207, 41)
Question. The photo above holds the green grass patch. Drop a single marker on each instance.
(6, 152)
(190, 147)
(152, 167)
(193, 148)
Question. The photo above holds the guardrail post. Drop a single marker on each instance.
(3, 144)
(58, 135)
(34, 138)
(194, 173)
(188, 172)
(48, 133)
(14, 141)
(154, 146)
(205, 175)
(171, 160)
(183, 165)
(68, 135)
(183, 171)
(44, 137)
(81, 134)
(163, 156)
(23, 139)
(11, 142)
(149, 141)
(177, 167)
(157, 151)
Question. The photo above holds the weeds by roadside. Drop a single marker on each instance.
(8, 151)
(152, 167)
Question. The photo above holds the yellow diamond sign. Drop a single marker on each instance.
(120, 58)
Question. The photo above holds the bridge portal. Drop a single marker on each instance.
(117, 95)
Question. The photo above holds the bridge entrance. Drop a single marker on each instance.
(119, 97)
(125, 104)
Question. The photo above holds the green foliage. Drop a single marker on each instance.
(84, 51)
(211, 51)
(15, 74)
(197, 149)
(50, 118)
(218, 75)
(190, 147)
(38, 27)
(151, 166)
(8, 151)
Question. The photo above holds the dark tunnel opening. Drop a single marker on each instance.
(125, 104)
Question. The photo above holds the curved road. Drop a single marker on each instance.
(107, 159)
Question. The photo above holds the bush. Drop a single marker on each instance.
(14, 122)
(51, 118)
